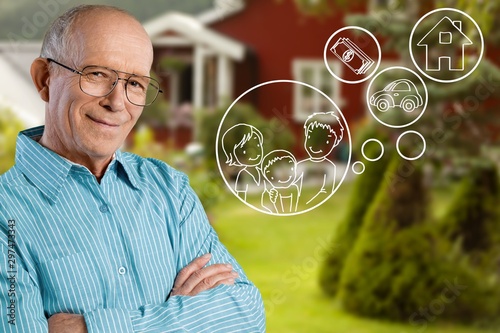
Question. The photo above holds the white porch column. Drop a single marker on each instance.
(198, 77)
(174, 89)
(224, 80)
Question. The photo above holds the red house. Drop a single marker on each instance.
(213, 58)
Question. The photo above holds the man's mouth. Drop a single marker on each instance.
(314, 151)
(103, 122)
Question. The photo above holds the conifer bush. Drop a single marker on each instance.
(473, 220)
(401, 268)
(365, 188)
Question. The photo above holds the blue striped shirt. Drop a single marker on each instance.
(109, 251)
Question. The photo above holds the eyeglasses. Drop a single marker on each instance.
(99, 81)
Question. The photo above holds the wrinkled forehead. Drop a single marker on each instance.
(113, 39)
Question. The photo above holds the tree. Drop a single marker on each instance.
(472, 219)
(401, 264)
(346, 234)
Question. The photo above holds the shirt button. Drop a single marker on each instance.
(104, 208)
(122, 270)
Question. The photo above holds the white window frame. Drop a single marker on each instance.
(318, 66)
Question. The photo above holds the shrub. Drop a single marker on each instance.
(472, 222)
(364, 191)
(400, 265)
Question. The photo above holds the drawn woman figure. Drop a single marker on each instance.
(246, 153)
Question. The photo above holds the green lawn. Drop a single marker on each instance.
(281, 255)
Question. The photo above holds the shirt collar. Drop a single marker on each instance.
(47, 170)
(130, 172)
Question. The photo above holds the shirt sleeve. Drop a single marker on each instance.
(22, 308)
(236, 308)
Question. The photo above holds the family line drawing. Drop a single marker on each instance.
(277, 175)
(280, 170)
(247, 153)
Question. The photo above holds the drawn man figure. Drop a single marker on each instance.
(323, 132)
(247, 153)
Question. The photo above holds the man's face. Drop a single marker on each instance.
(250, 152)
(319, 142)
(86, 127)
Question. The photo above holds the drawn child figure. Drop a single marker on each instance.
(279, 169)
(323, 132)
(246, 153)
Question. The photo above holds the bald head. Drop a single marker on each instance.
(78, 28)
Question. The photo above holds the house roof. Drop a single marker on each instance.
(195, 31)
(221, 10)
(17, 91)
(444, 25)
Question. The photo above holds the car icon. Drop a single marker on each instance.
(399, 93)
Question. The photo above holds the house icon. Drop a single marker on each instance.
(449, 34)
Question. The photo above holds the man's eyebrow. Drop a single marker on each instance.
(119, 71)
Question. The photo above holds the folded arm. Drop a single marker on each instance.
(208, 299)
(223, 308)
(218, 305)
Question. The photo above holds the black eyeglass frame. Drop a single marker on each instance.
(118, 78)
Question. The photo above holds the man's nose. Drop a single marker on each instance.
(116, 100)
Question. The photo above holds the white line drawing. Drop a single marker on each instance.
(352, 56)
(328, 55)
(279, 168)
(474, 52)
(321, 138)
(399, 93)
(317, 180)
(446, 32)
(423, 148)
(374, 159)
(246, 153)
(361, 166)
(396, 73)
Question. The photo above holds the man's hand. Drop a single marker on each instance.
(67, 323)
(195, 278)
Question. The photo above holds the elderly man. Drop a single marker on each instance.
(96, 240)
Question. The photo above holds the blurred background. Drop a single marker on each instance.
(406, 246)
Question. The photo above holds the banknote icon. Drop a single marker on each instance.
(352, 56)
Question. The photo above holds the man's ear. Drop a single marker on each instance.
(41, 76)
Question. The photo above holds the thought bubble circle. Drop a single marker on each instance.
(245, 151)
(358, 167)
(372, 159)
(399, 97)
(453, 27)
(424, 147)
(353, 48)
